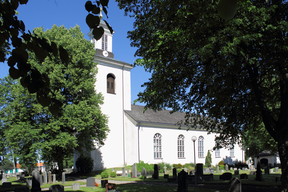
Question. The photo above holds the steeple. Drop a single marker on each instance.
(104, 45)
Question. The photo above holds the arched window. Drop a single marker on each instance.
(201, 146)
(157, 146)
(217, 153)
(104, 42)
(110, 83)
(180, 145)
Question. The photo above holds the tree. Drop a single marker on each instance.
(208, 159)
(228, 76)
(80, 124)
(10, 30)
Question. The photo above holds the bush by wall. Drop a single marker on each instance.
(84, 164)
(113, 174)
(104, 175)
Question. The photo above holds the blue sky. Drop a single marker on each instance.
(45, 13)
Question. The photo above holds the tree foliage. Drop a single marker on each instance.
(208, 159)
(14, 36)
(228, 76)
(81, 123)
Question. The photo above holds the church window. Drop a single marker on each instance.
(104, 42)
(180, 145)
(201, 146)
(231, 152)
(157, 146)
(110, 83)
(217, 153)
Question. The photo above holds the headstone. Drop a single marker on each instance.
(252, 173)
(226, 167)
(226, 176)
(124, 172)
(174, 172)
(212, 170)
(222, 171)
(144, 172)
(63, 177)
(6, 185)
(258, 173)
(182, 181)
(54, 178)
(22, 189)
(90, 182)
(235, 185)
(244, 176)
(166, 176)
(236, 172)
(75, 186)
(103, 183)
(271, 171)
(165, 169)
(49, 177)
(217, 168)
(185, 169)
(4, 179)
(45, 177)
(28, 182)
(56, 188)
(231, 168)
(156, 172)
(134, 170)
(276, 169)
(266, 170)
(199, 169)
(36, 181)
(113, 169)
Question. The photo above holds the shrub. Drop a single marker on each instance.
(221, 167)
(162, 165)
(240, 165)
(84, 164)
(221, 163)
(104, 175)
(208, 159)
(177, 166)
(113, 174)
(142, 177)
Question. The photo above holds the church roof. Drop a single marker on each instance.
(150, 116)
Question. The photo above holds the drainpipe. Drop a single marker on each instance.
(138, 143)
(123, 114)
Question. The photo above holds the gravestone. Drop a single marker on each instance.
(236, 172)
(90, 182)
(212, 170)
(49, 177)
(75, 186)
(226, 167)
(6, 184)
(156, 172)
(54, 178)
(174, 173)
(28, 182)
(4, 179)
(56, 188)
(182, 181)
(113, 169)
(36, 181)
(103, 183)
(276, 169)
(134, 170)
(144, 172)
(185, 169)
(45, 177)
(63, 177)
(124, 172)
(244, 176)
(252, 173)
(271, 171)
(226, 176)
(199, 169)
(165, 169)
(22, 189)
(266, 170)
(235, 185)
(258, 173)
(217, 168)
(166, 176)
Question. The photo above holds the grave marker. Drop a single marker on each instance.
(36, 181)
(45, 177)
(75, 186)
(56, 188)
(54, 178)
(235, 185)
(156, 172)
(90, 182)
(63, 177)
(182, 181)
(134, 170)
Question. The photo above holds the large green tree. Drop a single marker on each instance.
(80, 123)
(228, 76)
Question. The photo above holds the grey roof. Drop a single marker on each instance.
(150, 116)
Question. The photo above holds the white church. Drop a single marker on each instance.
(152, 137)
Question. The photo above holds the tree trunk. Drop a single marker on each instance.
(283, 154)
(60, 165)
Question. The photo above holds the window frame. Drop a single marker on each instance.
(180, 147)
(200, 147)
(110, 85)
(157, 145)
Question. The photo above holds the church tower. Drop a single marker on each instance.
(113, 81)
